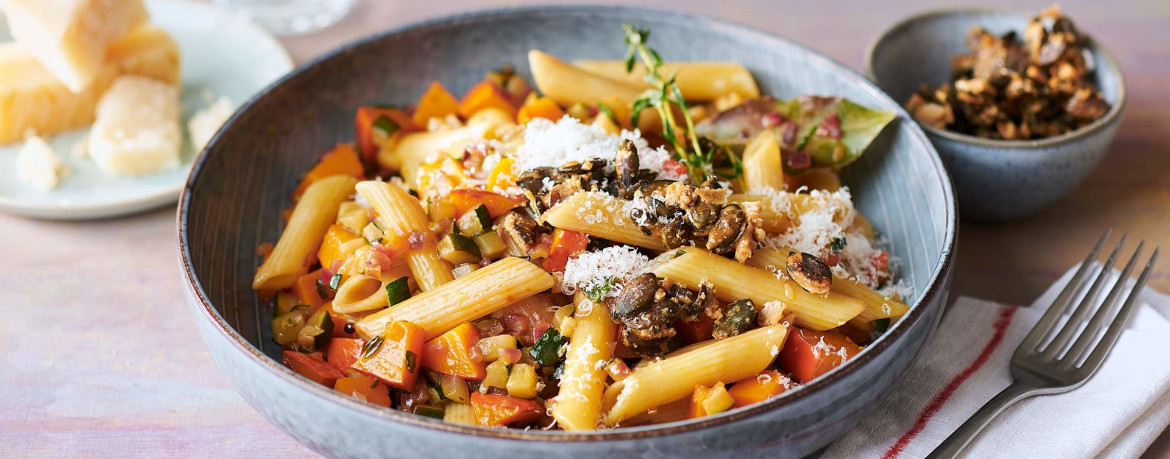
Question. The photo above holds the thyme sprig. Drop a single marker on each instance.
(665, 97)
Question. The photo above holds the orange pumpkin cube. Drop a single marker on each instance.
(341, 160)
(758, 388)
(333, 246)
(540, 107)
(493, 410)
(436, 102)
(396, 358)
(483, 95)
(456, 353)
(364, 388)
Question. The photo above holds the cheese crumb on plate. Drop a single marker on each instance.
(38, 165)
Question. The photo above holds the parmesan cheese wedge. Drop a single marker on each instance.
(31, 98)
(38, 165)
(137, 128)
(69, 37)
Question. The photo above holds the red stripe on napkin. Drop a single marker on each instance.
(999, 329)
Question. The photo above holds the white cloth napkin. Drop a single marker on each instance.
(1117, 413)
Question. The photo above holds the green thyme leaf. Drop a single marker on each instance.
(371, 347)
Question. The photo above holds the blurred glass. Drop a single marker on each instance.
(290, 17)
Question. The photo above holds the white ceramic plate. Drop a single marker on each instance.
(222, 55)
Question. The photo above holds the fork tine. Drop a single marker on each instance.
(1105, 310)
(1054, 347)
(1093, 361)
(1062, 301)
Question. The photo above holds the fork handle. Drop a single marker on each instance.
(954, 444)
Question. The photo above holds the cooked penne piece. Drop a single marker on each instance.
(414, 148)
(403, 216)
(601, 215)
(761, 163)
(360, 293)
(821, 178)
(876, 305)
(464, 299)
(568, 85)
(302, 236)
(778, 216)
(663, 381)
(699, 81)
(578, 405)
(734, 281)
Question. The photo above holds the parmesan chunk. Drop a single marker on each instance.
(137, 128)
(31, 98)
(69, 37)
(205, 123)
(39, 165)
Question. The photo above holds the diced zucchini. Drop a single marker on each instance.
(285, 302)
(579, 111)
(458, 249)
(440, 209)
(490, 347)
(522, 383)
(430, 411)
(564, 321)
(475, 221)
(285, 327)
(454, 388)
(385, 127)
(491, 245)
(717, 400)
(317, 331)
(464, 269)
(398, 291)
(373, 233)
(497, 375)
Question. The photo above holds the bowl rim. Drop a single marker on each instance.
(1110, 117)
(933, 287)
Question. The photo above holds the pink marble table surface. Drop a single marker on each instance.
(99, 354)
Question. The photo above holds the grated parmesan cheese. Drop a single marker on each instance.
(553, 144)
(592, 270)
(822, 347)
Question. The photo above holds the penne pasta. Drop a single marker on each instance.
(663, 381)
(761, 163)
(690, 266)
(578, 403)
(301, 238)
(699, 81)
(414, 148)
(598, 214)
(403, 217)
(360, 293)
(464, 299)
(876, 305)
(568, 85)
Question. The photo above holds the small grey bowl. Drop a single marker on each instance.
(995, 180)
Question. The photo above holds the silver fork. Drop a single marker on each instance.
(1043, 366)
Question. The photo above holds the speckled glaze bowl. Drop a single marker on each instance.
(995, 180)
(235, 194)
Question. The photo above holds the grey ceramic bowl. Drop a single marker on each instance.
(234, 197)
(995, 180)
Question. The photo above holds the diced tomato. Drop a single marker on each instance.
(343, 352)
(312, 366)
(364, 127)
(483, 95)
(436, 102)
(566, 244)
(494, 410)
(695, 332)
(305, 289)
(809, 354)
(396, 362)
(831, 258)
(456, 353)
(758, 388)
(333, 245)
(673, 167)
(465, 199)
(881, 261)
(341, 160)
(540, 107)
(364, 388)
